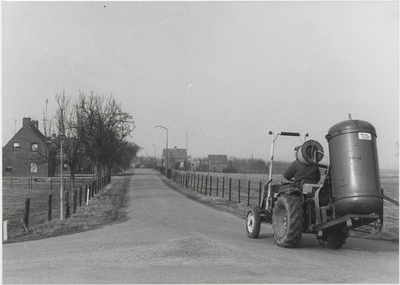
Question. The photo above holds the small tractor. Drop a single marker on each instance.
(349, 195)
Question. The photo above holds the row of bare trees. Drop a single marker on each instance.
(93, 127)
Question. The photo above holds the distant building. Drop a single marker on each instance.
(176, 158)
(27, 153)
(217, 163)
(195, 163)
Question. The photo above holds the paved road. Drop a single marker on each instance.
(169, 238)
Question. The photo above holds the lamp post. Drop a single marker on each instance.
(52, 139)
(166, 168)
(187, 142)
(62, 138)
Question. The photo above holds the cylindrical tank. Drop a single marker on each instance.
(354, 168)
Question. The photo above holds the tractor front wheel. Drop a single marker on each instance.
(287, 220)
(253, 222)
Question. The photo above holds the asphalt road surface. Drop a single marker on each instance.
(169, 238)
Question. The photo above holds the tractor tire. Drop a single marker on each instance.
(253, 222)
(287, 220)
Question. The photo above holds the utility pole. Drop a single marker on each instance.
(187, 143)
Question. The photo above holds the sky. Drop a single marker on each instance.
(218, 75)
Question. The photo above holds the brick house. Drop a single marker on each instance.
(27, 153)
(217, 163)
(176, 157)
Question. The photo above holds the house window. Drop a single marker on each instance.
(16, 146)
(9, 168)
(34, 147)
(33, 167)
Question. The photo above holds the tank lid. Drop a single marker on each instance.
(350, 126)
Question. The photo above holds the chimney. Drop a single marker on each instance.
(26, 122)
(35, 123)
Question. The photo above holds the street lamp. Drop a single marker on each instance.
(166, 169)
(62, 138)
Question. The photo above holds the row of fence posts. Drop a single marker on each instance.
(188, 180)
(86, 192)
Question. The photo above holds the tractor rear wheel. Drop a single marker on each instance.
(253, 222)
(287, 220)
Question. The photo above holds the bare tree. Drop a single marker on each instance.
(65, 123)
(102, 127)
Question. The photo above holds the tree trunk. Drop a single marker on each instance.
(96, 170)
(72, 176)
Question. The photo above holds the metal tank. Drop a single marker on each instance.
(354, 168)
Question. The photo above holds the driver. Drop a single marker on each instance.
(301, 173)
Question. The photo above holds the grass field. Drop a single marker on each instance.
(15, 192)
(103, 208)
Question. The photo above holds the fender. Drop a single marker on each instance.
(290, 191)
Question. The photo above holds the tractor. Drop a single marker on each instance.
(347, 197)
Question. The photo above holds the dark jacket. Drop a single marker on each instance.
(302, 173)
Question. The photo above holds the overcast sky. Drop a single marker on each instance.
(225, 73)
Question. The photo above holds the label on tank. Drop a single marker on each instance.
(364, 136)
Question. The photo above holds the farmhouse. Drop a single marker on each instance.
(176, 157)
(27, 153)
(217, 163)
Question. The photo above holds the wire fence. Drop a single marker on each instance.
(28, 202)
(234, 189)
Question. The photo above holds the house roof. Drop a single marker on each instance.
(30, 126)
(218, 159)
(38, 133)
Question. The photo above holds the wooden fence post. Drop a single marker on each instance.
(217, 185)
(49, 204)
(87, 195)
(84, 194)
(230, 188)
(223, 187)
(26, 213)
(75, 198)
(80, 196)
(5, 233)
(248, 194)
(66, 205)
(201, 187)
(210, 186)
(239, 192)
(205, 192)
(198, 179)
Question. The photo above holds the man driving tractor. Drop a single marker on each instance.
(301, 173)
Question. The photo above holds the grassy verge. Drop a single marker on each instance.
(103, 209)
